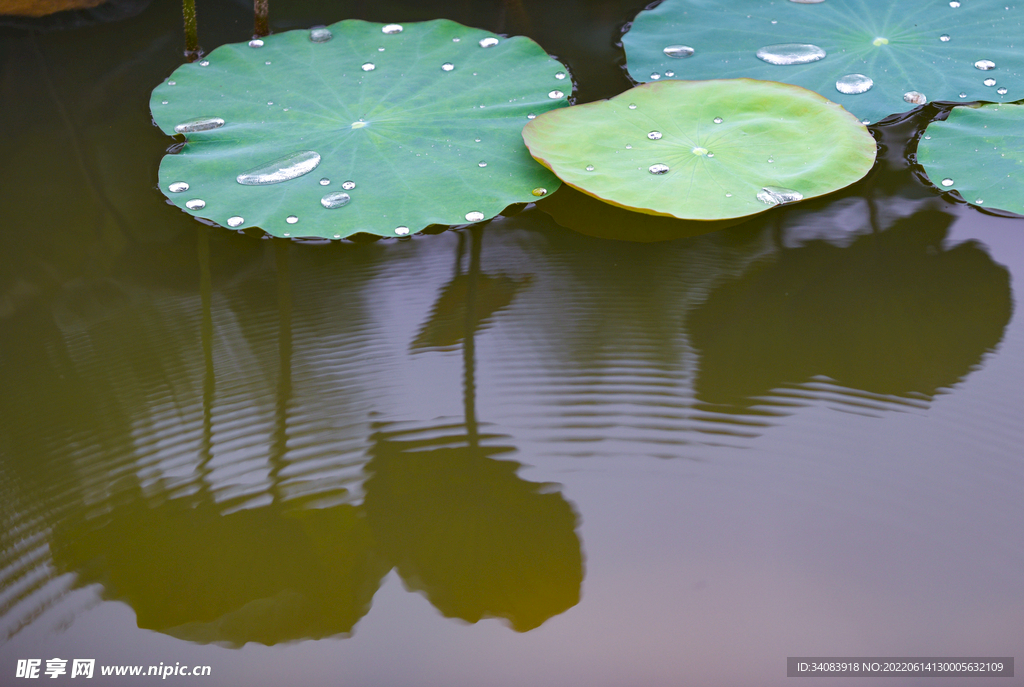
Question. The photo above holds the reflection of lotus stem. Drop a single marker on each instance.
(261, 8)
(188, 12)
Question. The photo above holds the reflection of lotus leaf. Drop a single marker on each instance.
(933, 48)
(476, 539)
(261, 575)
(447, 324)
(893, 313)
(358, 128)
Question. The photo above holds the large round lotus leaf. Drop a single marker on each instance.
(704, 150)
(935, 48)
(358, 127)
(980, 153)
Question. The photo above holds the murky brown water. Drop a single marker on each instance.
(508, 455)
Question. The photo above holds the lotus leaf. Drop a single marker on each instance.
(875, 57)
(704, 150)
(357, 127)
(979, 152)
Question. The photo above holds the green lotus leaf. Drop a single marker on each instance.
(704, 150)
(979, 152)
(357, 127)
(909, 52)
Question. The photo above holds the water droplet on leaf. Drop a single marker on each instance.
(204, 63)
(200, 124)
(235, 221)
(947, 182)
(474, 216)
(325, 181)
(348, 185)
(291, 219)
(854, 84)
(320, 34)
(488, 42)
(334, 200)
(777, 195)
(658, 168)
(985, 65)
(283, 169)
(178, 186)
(391, 29)
(790, 53)
(540, 192)
(196, 204)
(447, 67)
(256, 43)
(1001, 91)
(401, 231)
(368, 66)
(481, 164)
(678, 51)
(989, 82)
(915, 98)
(590, 168)
(560, 75)
(717, 120)
(944, 38)
(632, 106)
(555, 94)
(654, 135)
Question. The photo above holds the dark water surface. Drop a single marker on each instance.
(505, 455)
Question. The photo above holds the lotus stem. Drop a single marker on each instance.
(261, 9)
(188, 13)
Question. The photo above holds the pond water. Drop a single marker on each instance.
(503, 455)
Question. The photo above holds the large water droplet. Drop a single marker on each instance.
(391, 29)
(320, 34)
(368, 66)
(200, 124)
(256, 43)
(854, 84)
(235, 221)
(447, 67)
(488, 42)
(915, 98)
(777, 195)
(717, 120)
(539, 191)
(482, 163)
(658, 168)
(989, 82)
(283, 169)
(654, 135)
(790, 53)
(678, 51)
(944, 38)
(335, 200)
(947, 182)
(555, 94)
(291, 219)
(474, 216)
(401, 231)
(195, 204)
(178, 186)
(348, 185)
(984, 65)
(1001, 90)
